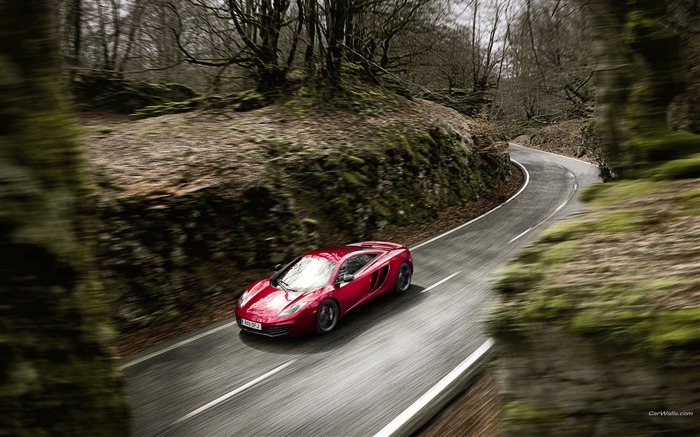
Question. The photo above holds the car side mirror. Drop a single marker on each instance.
(278, 267)
(347, 277)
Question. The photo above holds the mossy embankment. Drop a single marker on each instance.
(192, 206)
(598, 322)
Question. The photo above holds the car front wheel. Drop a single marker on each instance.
(326, 316)
(403, 278)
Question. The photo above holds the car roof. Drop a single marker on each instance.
(336, 253)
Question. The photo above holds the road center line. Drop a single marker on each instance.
(233, 393)
(441, 282)
(434, 391)
(520, 235)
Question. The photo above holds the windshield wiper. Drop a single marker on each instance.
(284, 285)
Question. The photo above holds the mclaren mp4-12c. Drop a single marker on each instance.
(314, 291)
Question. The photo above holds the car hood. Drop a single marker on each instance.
(266, 301)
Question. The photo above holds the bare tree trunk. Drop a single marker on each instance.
(74, 22)
(337, 16)
(311, 16)
(58, 374)
(639, 75)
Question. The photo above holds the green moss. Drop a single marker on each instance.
(355, 160)
(602, 194)
(354, 179)
(559, 253)
(690, 201)
(608, 222)
(643, 329)
(529, 254)
(620, 221)
(624, 314)
(675, 328)
(503, 322)
(126, 96)
(665, 145)
(553, 302)
(521, 416)
(621, 311)
(516, 278)
(252, 100)
(687, 168)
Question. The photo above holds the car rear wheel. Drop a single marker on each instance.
(403, 278)
(326, 316)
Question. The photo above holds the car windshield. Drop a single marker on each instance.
(307, 273)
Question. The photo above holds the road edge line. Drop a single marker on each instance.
(434, 400)
(176, 345)
(526, 175)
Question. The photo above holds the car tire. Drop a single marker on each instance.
(403, 278)
(327, 316)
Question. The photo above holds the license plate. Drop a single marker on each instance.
(249, 324)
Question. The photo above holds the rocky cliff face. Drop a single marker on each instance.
(560, 384)
(190, 204)
(598, 323)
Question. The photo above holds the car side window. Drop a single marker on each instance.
(355, 263)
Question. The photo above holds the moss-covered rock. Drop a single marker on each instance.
(686, 168)
(109, 94)
(525, 418)
(611, 290)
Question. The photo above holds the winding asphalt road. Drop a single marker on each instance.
(381, 358)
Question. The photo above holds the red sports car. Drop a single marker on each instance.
(312, 292)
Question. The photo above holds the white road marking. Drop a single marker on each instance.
(555, 154)
(519, 235)
(441, 282)
(431, 394)
(525, 184)
(233, 393)
(175, 345)
(558, 208)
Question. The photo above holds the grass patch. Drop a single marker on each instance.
(603, 194)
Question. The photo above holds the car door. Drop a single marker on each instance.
(349, 294)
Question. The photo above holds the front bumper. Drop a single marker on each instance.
(288, 327)
(270, 331)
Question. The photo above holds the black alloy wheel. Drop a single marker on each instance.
(403, 278)
(326, 316)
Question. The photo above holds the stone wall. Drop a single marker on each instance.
(162, 253)
(556, 383)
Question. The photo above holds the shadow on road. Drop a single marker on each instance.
(352, 325)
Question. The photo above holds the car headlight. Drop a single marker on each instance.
(291, 309)
(243, 298)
